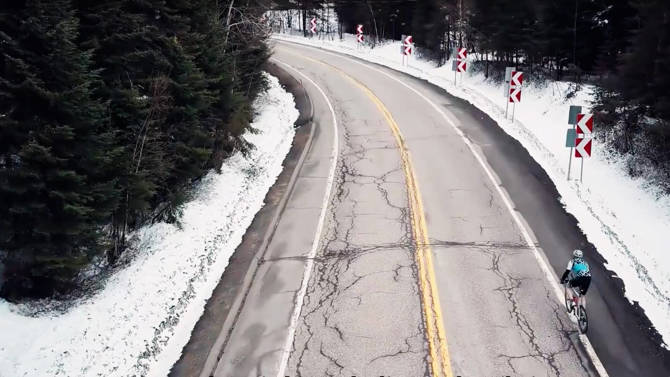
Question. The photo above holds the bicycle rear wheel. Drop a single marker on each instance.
(582, 320)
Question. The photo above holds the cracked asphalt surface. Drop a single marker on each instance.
(362, 313)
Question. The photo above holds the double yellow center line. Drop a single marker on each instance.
(437, 340)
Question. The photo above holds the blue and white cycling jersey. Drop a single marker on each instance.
(578, 267)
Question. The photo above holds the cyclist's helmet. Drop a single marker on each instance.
(578, 254)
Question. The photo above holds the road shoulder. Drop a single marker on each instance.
(229, 293)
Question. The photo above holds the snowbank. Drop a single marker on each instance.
(625, 218)
(139, 323)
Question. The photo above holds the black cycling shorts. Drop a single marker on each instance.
(581, 282)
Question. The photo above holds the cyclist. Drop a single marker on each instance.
(577, 273)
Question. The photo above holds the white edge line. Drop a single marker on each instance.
(286, 350)
(508, 203)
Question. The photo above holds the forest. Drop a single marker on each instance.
(622, 47)
(109, 112)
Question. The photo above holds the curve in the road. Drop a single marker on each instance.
(431, 306)
(432, 311)
(549, 274)
(309, 266)
(356, 303)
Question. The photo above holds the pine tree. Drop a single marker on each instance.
(56, 184)
(211, 57)
(615, 17)
(190, 135)
(127, 50)
(643, 75)
(429, 26)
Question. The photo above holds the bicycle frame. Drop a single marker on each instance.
(577, 298)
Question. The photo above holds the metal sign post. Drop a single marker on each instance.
(572, 119)
(454, 67)
(570, 159)
(514, 98)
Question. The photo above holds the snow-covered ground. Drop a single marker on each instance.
(625, 218)
(138, 324)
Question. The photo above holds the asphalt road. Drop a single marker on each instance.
(402, 180)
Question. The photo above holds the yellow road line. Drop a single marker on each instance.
(437, 340)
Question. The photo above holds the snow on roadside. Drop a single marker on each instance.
(625, 218)
(141, 320)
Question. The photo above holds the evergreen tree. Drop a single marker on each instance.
(429, 26)
(107, 116)
(615, 17)
(127, 50)
(635, 104)
(56, 185)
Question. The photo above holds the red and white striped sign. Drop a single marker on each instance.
(359, 33)
(313, 27)
(462, 53)
(462, 65)
(517, 79)
(584, 138)
(408, 45)
(584, 124)
(515, 95)
(583, 147)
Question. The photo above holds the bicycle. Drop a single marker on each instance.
(575, 304)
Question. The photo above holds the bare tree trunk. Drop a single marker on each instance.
(448, 39)
(460, 23)
(289, 19)
(322, 17)
(574, 35)
(230, 9)
(374, 20)
(159, 104)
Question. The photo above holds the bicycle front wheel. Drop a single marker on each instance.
(582, 320)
